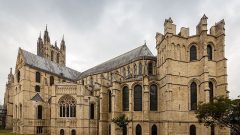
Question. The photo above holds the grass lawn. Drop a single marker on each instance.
(6, 132)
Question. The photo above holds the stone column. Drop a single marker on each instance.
(103, 121)
(116, 107)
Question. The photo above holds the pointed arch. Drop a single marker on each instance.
(67, 106)
(109, 101)
(58, 57)
(154, 130)
(51, 80)
(138, 130)
(153, 97)
(150, 68)
(92, 112)
(138, 98)
(140, 68)
(209, 52)
(192, 130)
(73, 132)
(18, 76)
(211, 90)
(193, 96)
(52, 55)
(125, 98)
(124, 130)
(124, 72)
(37, 88)
(38, 77)
(193, 53)
(62, 132)
(39, 112)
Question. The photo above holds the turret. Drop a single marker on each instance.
(62, 45)
(169, 27)
(46, 36)
(202, 25)
(10, 77)
(218, 29)
(39, 45)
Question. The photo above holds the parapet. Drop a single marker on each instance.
(170, 28)
(218, 29)
(202, 25)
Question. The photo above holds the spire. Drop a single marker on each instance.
(55, 44)
(204, 17)
(145, 42)
(10, 76)
(46, 36)
(63, 38)
(40, 35)
(10, 71)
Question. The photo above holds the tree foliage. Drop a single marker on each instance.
(121, 120)
(223, 112)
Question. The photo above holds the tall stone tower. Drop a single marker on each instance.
(52, 52)
(191, 69)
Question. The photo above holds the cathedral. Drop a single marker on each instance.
(159, 94)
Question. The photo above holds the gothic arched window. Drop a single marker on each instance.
(73, 132)
(18, 76)
(62, 132)
(38, 77)
(138, 130)
(39, 112)
(193, 53)
(92, 111)
(124, 130)
(124, 72)
(153, 98)
(210, 84)
(125, 99)
(150, 68)
(37, 88)
(128, 70)
(52, 55)
(135, 69)
(138, 98)
(109, 101)
(193, 91)
(67, 106)
(140, 69)
(209, 52)
(192, 130)
(57, 57)
(154, 130)
(51, 80)
(20, 110)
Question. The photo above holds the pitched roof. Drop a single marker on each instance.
(37, 98)
(44, 64)
(133, 55)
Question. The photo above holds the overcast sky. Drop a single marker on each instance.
(96, 30)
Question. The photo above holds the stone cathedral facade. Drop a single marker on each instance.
(158, 93)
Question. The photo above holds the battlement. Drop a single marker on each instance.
(170, 29)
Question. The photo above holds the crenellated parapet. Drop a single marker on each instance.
(170, 28)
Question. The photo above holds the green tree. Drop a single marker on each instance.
(122, 121)
(223, 112)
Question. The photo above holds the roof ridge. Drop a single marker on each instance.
(119, 60)
(46, 65)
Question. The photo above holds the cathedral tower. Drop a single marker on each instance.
(52, 52)
(191, 69)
